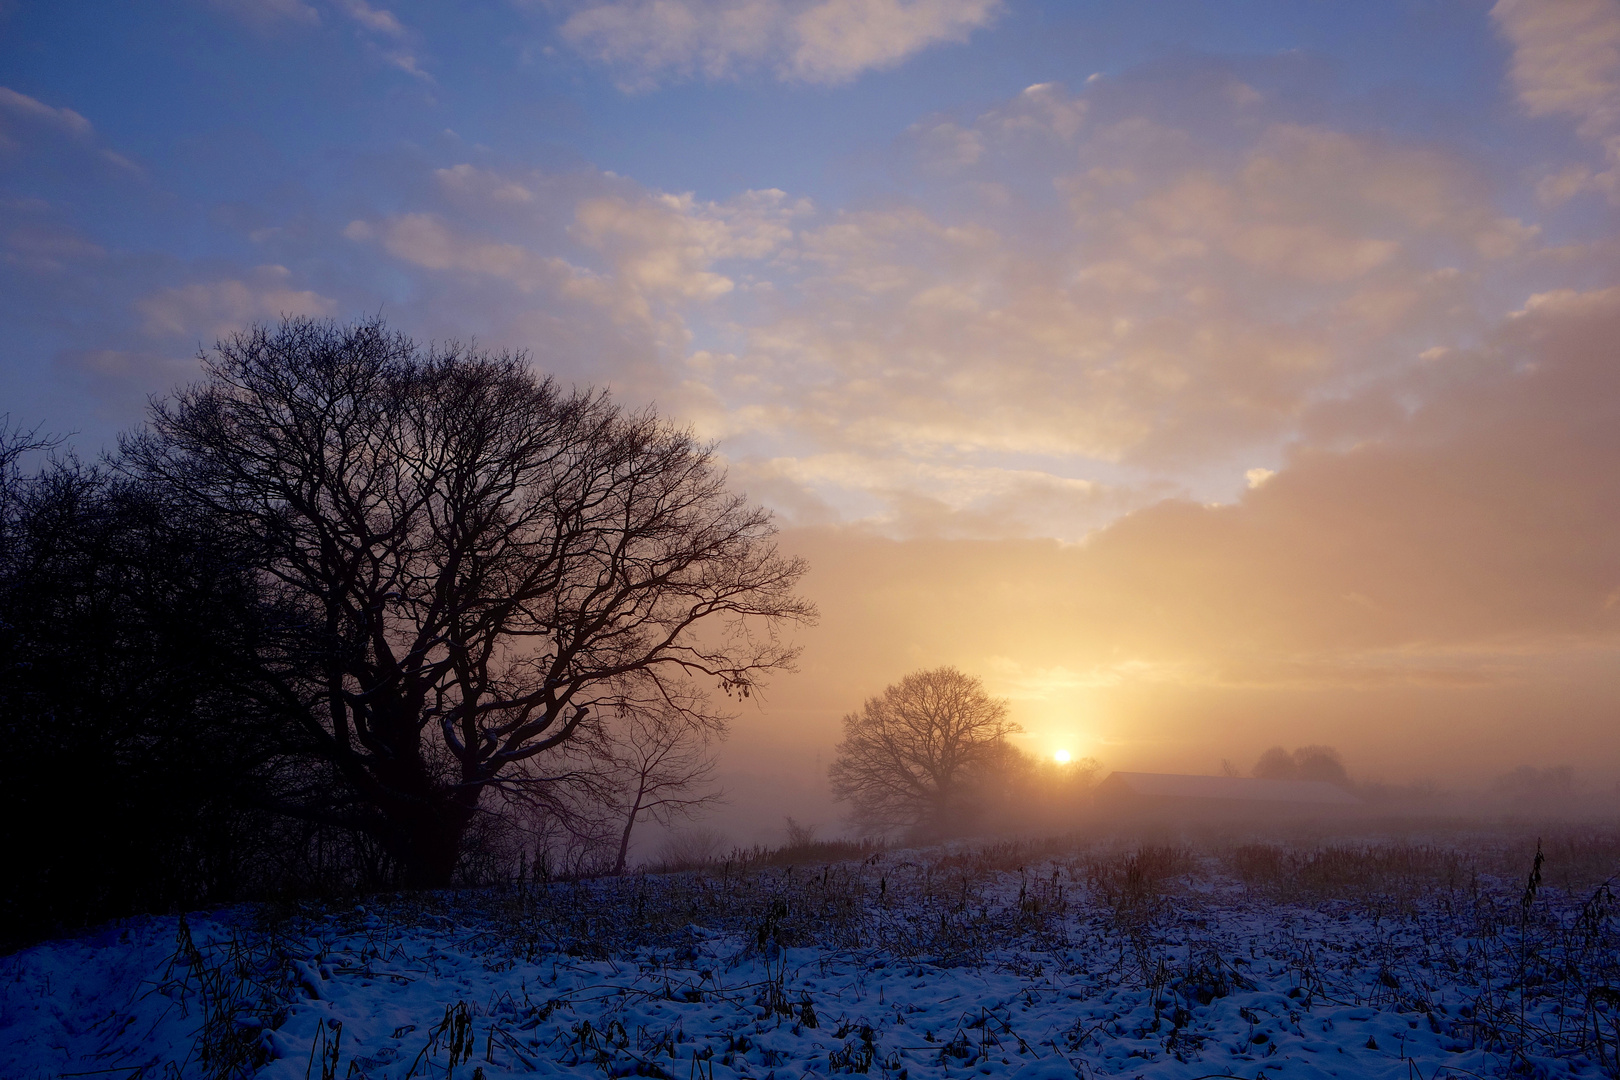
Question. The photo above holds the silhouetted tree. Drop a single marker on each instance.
(912, 757)
(485, 563)
(633, 764)
(1320, 763)
(1275, 764)
(124, 624)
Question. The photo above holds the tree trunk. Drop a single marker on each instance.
(426, 822)
(435, 848)
(624, 840)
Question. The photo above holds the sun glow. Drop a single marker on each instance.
(1061, 757)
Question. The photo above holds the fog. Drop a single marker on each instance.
(1438, 602)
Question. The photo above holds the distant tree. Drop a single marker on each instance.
(486, 565)
(912, 756)
(799, 835)
(1275, 764)
(1320, 763)
(1305, 763)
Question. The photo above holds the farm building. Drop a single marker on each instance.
(1219, 796)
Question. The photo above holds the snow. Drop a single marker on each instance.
(910, 966)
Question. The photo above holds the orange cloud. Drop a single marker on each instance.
(1453, 579)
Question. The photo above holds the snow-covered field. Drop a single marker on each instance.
(1010, 961)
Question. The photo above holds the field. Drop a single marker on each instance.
(1480, 954)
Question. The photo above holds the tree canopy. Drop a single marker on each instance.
(911, 757)
(125, 625)
(1305, 763)
(483, 561)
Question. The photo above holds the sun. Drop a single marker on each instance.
(1061, 757)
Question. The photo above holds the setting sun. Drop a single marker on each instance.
(1061, 757)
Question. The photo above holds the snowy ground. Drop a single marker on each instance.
(910, 965)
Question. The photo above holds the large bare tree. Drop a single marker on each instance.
(913, 756)
(486, 562)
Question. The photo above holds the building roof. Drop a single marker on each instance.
(1234, 788)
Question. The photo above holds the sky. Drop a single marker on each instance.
(1201, 376)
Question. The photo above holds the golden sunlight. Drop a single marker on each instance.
(1061, 757)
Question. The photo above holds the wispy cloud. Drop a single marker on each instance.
(378, 27)
(1566, 59)
(1470, 545)
(377, 20)
(23, 107)
(1566, 62)
(815, 41)
(1165, 313)
(270, 14)
(25, 120)
(208, 310)
(643, 258)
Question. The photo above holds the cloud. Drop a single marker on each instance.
(378, 28)
(815, 41)
(46, 249)
(607, 281)
(213, 309)
(665, 246)
(270, 14)
(1191, 302)
(1483, 520)
(639, 256)
(21, 106)
(1566, 62)
(1091, 304)
(469, 182)
(836, 40)
(31, 125)
(1043, 111)
(428, 241)
(383, 32)
(1456, 574)
(1566, 59)
(962, 500)
(376, 20)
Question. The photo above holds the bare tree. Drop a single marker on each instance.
(911, 757)
(661, 764)
(487, 564)
(15, 446)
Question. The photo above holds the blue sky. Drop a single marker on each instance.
(169, 173)
(1230, 281)
(210, 140)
